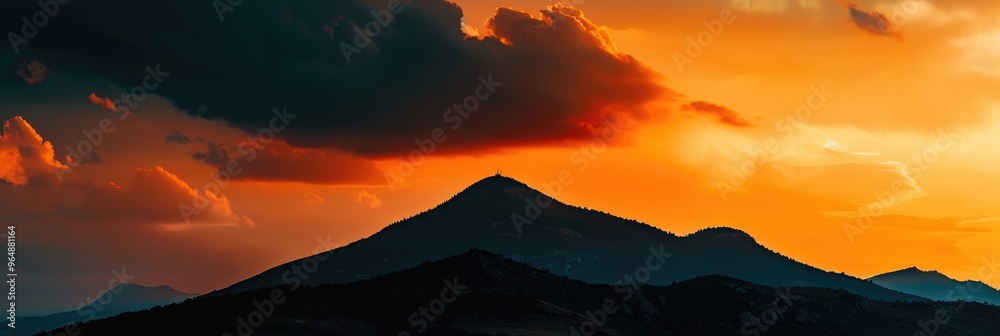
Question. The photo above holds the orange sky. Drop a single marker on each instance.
(890, 98)
(904, 125)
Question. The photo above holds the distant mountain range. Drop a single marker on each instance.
(123, 298)
(505, 216)
(481, 293)
(937, 286)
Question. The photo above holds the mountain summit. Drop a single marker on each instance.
(126, 297)
(505, 216)
(937, 286)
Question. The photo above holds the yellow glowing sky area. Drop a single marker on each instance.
(892, 100)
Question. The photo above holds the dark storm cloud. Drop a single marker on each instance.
(178, 137)
(397, 87)
(278, 162)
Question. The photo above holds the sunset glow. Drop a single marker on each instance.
(854, 137)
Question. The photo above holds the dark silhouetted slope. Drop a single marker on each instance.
(937, 286)
(499, 296)
(123, 298)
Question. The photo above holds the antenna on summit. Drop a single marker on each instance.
(498, 172)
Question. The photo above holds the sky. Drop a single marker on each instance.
(196, 145)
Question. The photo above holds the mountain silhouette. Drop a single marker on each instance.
(123, 298)
(937, 286)
(505, 216)
(482, 293)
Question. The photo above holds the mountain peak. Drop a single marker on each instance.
(723, 233)
(496, 190)
(917, 271)
(496, 180)
(131, 294)
(936, 286)
(912, 274)
(721, 230)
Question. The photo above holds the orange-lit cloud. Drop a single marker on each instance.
(151, 196)
(25, 158)
(102, 102)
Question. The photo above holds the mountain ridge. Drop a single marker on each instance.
(937, 286)
(126, 297)
(481, 293)
(584, 244)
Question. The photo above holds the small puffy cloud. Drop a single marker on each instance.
(25, 158)
(875, 23)
(177, 137)
(215, 155)
(363, 197)
(33, 72)
(102, 102)
(722, 113)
